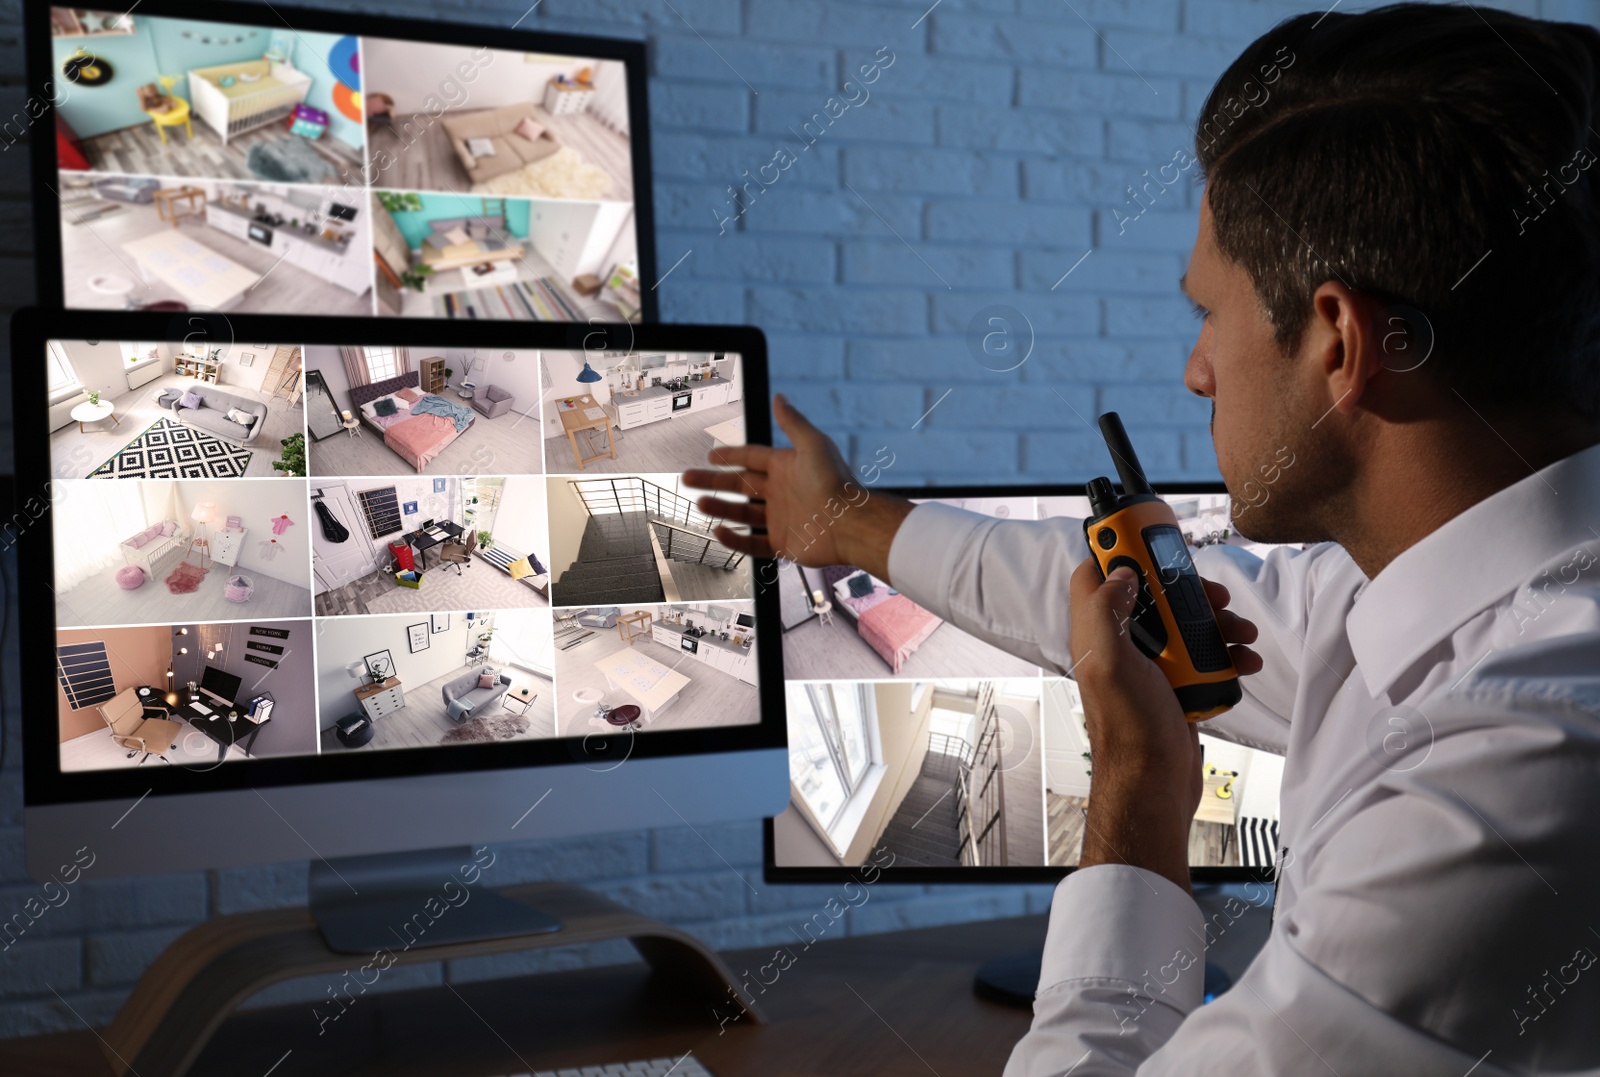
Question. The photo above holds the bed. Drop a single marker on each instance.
(259, 92)
(419, 429)
(891, 624)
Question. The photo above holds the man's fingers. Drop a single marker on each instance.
(748, 483)
(1246, 661)
(753, 513)
(754, 457)
(739, 542)
(1236, 629)
(1216, 594)
(1100, 607)
(791, 422)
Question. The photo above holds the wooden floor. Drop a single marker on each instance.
(818, 651)
(662, 446)
(1065, 823)
(697, 583)
(1022, 755)
(479, 587)
(98, 601)
(423, 721)
(508, 444)
(74, 454)
(423, 159)
(139, 151)
(97, 751)
(711, 698)
(94, 247)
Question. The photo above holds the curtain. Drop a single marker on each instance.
(402, 360)
(91, 520)
(355, 365)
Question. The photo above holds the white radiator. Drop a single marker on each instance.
(144, 375)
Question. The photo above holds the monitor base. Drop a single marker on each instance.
(199, 980)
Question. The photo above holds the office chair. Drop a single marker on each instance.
(459, 553)
(125, 715)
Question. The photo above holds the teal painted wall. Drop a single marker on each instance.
(414, 225)
(157, 47)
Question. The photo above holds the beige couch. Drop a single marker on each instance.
(498, 125)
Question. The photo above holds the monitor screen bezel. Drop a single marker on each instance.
(216, 676)
(44, 162)
(44, 783)
(774, 873)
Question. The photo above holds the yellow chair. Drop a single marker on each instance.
(174, 116)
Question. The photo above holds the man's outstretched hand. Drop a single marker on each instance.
(803, 503)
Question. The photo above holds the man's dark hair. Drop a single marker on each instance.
(1394, 150)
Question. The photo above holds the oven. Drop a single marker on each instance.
(261, 233)
(689, 644)
(680, 401)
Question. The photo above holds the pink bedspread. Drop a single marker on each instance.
(420, 438)
(895, 628)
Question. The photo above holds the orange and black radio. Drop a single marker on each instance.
(1172, 620)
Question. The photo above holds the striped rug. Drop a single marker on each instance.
(540, 300)
(1258, 841)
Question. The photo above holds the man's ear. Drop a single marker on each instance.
(1352, 341)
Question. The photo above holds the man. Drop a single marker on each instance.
(1398, 267)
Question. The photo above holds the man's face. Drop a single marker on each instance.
(1272, 459)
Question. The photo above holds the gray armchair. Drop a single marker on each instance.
(492, 401)
(463, 698)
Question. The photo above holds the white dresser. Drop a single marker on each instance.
(227, 543)
(378, 700)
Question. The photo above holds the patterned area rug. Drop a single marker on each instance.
(541, 300)
(185, 579)
(495, 727)
(169, 450)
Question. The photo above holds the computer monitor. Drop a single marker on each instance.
(921, 751)
(276, 160)
(580, 656)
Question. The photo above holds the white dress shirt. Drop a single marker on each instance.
(1438, 899)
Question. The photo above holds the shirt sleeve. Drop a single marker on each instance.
(1007, 581)
(1444, 924)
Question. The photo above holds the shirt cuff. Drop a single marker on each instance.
(923, 556)
(1116, 921)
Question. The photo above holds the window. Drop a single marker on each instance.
(85, 674)
(830, 749)
(138, 351)
(382, 362)
(63, 378)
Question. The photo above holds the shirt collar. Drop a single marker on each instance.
(1484, 553)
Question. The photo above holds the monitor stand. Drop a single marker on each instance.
(369, 914)
(430, 897)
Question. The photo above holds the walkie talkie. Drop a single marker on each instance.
(1172, 620)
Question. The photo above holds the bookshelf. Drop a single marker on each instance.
(199, 367)
(431, 371)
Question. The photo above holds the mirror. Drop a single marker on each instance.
(322, 414)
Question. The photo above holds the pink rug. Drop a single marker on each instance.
(185, 579)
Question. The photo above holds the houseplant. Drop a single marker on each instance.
(93, 395)
(415, 278)
(400, 201)
(294, 456)
(485, 539)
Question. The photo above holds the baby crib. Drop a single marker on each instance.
(262, 91)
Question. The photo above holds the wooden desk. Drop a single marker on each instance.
(1215, 809)
(574, 420)
(919, 983)
(633, 624)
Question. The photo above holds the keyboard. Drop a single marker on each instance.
(687, 1066)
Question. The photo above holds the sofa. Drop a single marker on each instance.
(599, 616)
(492, 401)
(155, 552)
(498, 125)
(139, 190)
(468, 698)
(212, 414)
(480, 239)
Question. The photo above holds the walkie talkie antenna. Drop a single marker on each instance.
(1127, 461)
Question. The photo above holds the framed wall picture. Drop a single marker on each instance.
(441, 622)
(380, 664)
(247, 358)
(409, 508)
(438, 485)
(417, 636)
